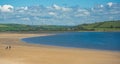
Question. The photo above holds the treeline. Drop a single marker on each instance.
(20, 27)
(100, 26)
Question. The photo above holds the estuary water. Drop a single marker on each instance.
(89, 40)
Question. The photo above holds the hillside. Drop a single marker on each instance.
(21, 27)
(100, 26)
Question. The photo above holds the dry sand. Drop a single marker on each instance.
(24, 53)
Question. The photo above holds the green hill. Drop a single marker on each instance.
(21, 27)
(100, 26)
(14, 27)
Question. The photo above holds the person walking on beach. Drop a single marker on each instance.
(8, 47)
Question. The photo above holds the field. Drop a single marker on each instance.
(100, 26)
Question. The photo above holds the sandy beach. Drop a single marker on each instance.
(24, 53)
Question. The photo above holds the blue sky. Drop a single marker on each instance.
(58, 12)
(81, 3)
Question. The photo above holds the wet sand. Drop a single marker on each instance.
(24, 53)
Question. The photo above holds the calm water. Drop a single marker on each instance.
(91, 40)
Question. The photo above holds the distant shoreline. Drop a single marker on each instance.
(106, 26)
(50, 32)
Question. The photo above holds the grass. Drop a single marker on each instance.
(100, 26)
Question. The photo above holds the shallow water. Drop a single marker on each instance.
(91, 40)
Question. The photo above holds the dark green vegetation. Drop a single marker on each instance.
(29, 28)
(101, 26)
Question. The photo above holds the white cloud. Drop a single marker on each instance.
(87, 13)
(101, 6)
(61, 8)
(109, 4)
(18, 16)
(0, 6)
(56, 7)
(24, 8)
(82, 12)
(52, 13)
(66, 9)
(6, 8)
(25, 19)
(92, 9)
(80, 15)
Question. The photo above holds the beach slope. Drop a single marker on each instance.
(24, 53)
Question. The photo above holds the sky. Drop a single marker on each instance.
(81, 3)
(58, 12)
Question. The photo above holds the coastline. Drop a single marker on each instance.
(25, 53)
